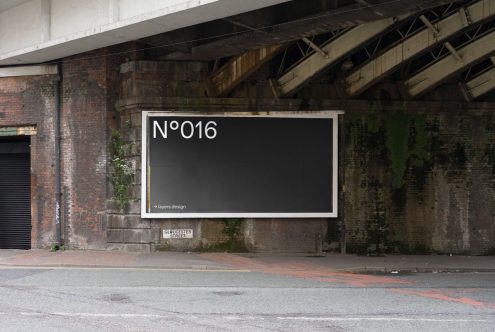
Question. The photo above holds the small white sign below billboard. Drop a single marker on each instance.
(177, 233)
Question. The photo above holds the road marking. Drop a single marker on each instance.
(96, 315)
(243, 318)
(304, 270)
(258, 318)
(405, 319)
(32, 314)
(439, 295)
(88, 314)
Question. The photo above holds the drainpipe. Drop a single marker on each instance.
(58, 186)
(342, 183)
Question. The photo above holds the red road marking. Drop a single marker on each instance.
(438, 295)
(303, 270)
(310, 271)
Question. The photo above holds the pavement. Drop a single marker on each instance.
(393, 264)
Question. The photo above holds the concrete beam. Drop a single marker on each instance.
(207, 104)
(29, 70)
(238, 69)
(448, 66)
(379, 67)
(334, 50)
(113, 11)
(45, 19)
(34, 31)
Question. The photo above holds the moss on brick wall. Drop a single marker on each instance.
(410, 176)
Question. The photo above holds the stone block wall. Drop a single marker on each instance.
(178, 86)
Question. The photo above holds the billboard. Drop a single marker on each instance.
(237, 165)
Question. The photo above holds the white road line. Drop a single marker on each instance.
(95, 315)
(254, 318)
(400, 319)
(87, 314)
(243, 318)
(32, 314)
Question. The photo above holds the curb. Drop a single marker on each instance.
(405, 271)
(106, 267)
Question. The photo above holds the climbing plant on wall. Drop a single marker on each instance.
(122, 174)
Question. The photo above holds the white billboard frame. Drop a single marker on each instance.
(329, 114)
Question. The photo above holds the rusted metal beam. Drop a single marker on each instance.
(430, 26)
(453, 51)
(334, 50)
(371, 7)
(481, 84)
(331, 20)
(227, 77)
(382, 65)
(448, 66)
(315, 47)
(436, 33)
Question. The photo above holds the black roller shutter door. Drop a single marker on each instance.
(15, 201)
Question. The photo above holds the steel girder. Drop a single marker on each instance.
(450, 65)
(222, 81)
(333, 51)
(331, 20)
(481, 84)
(390, 60)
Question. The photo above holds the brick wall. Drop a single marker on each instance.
(89, 92)
(149, 85)
(419, 177)
(84, 150)
(29, 101)
(90, 89)
(421, 180)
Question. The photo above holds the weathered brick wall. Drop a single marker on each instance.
(177, 86)
(419, 176)
(84, 156)
(29, 101)
(421, 180)
(90, 90)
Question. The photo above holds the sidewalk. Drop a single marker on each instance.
(224, 261)
(106, 259)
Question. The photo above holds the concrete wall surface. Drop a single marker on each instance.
(36, 31)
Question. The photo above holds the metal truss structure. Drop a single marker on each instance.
(418, 50)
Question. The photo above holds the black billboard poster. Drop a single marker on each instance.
(227, 165)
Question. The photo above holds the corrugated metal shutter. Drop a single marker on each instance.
(15, 201)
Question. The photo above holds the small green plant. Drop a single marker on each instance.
(232, 228)
(122, 174)
(56, 247)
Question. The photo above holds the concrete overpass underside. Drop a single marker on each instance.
(356, 44)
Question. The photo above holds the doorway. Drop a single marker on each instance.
(15, 192)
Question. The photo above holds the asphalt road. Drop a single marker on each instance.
(65, 299)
